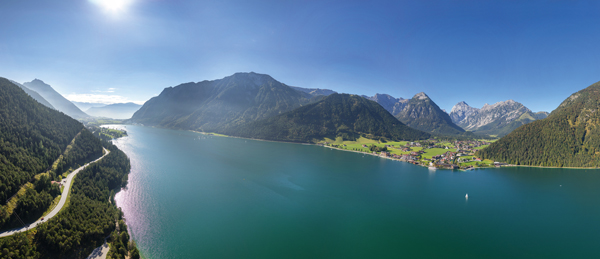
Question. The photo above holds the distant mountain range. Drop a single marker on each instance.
(84, 106)
(114, 111)
(258, 106)
(338, 115)
(498, 119)
(55, 99)
(568, 137)
(391, 104)
(419, 112)
(216, 105)
(35, 95)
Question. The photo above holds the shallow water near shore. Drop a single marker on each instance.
(195, 196)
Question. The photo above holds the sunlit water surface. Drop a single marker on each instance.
(196, 196)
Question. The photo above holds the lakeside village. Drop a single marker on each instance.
(430, 153)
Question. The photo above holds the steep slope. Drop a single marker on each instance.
(569, 136)
(58, 101)
(338, 115)
(32, 136)
(388, 102)
(35, 95)
(423, 114)
(462, 111)
(314, 91)
(213, 106)
(498, 119)
(115, 111)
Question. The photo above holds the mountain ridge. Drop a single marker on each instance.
(338, 115)
(568, 137)
(423, 114)
(59, 102)
(499, 118)
(35, 95)
(217, 104)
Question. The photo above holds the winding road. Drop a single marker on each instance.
(63, 199)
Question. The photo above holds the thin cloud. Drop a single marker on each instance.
(100, 98)
(109, 90)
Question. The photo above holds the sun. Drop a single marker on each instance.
(113, 6)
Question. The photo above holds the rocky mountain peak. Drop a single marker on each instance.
(421, 96)
(461, 106)
(461, 111)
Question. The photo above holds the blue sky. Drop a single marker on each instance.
(534, 52)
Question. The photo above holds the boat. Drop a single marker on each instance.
(467, 196)
(432, 168)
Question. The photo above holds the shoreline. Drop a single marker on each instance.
(300, 143)
(341, 149)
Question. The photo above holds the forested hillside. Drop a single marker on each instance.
(90, 217)
(38, 145)
(338, 115)
(32, 137)
(58, 101)
(569, 136)
(213, 106)
(39, 194)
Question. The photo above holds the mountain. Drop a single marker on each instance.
(85, 106)
(498, 119)
(314, 91)
(338, 115)
(35, 95)
(461, 111)
(32, 137)
(391, 104)
(423, 114)
(569, 136)
(58, 101)
(115, 111)
(540, 115)
(212, 106)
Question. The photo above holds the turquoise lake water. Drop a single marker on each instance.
(196, 196)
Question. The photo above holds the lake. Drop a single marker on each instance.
(196, 196)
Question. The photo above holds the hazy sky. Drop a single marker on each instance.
(535, 52)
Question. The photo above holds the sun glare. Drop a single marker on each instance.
(113, 6)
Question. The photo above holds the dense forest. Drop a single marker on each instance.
(32, 137)
(38, 198)
(86, 147)
(338, 115)
(89, 218)
(568, 137)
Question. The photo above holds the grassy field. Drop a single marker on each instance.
(358, 145)
(431, 152)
